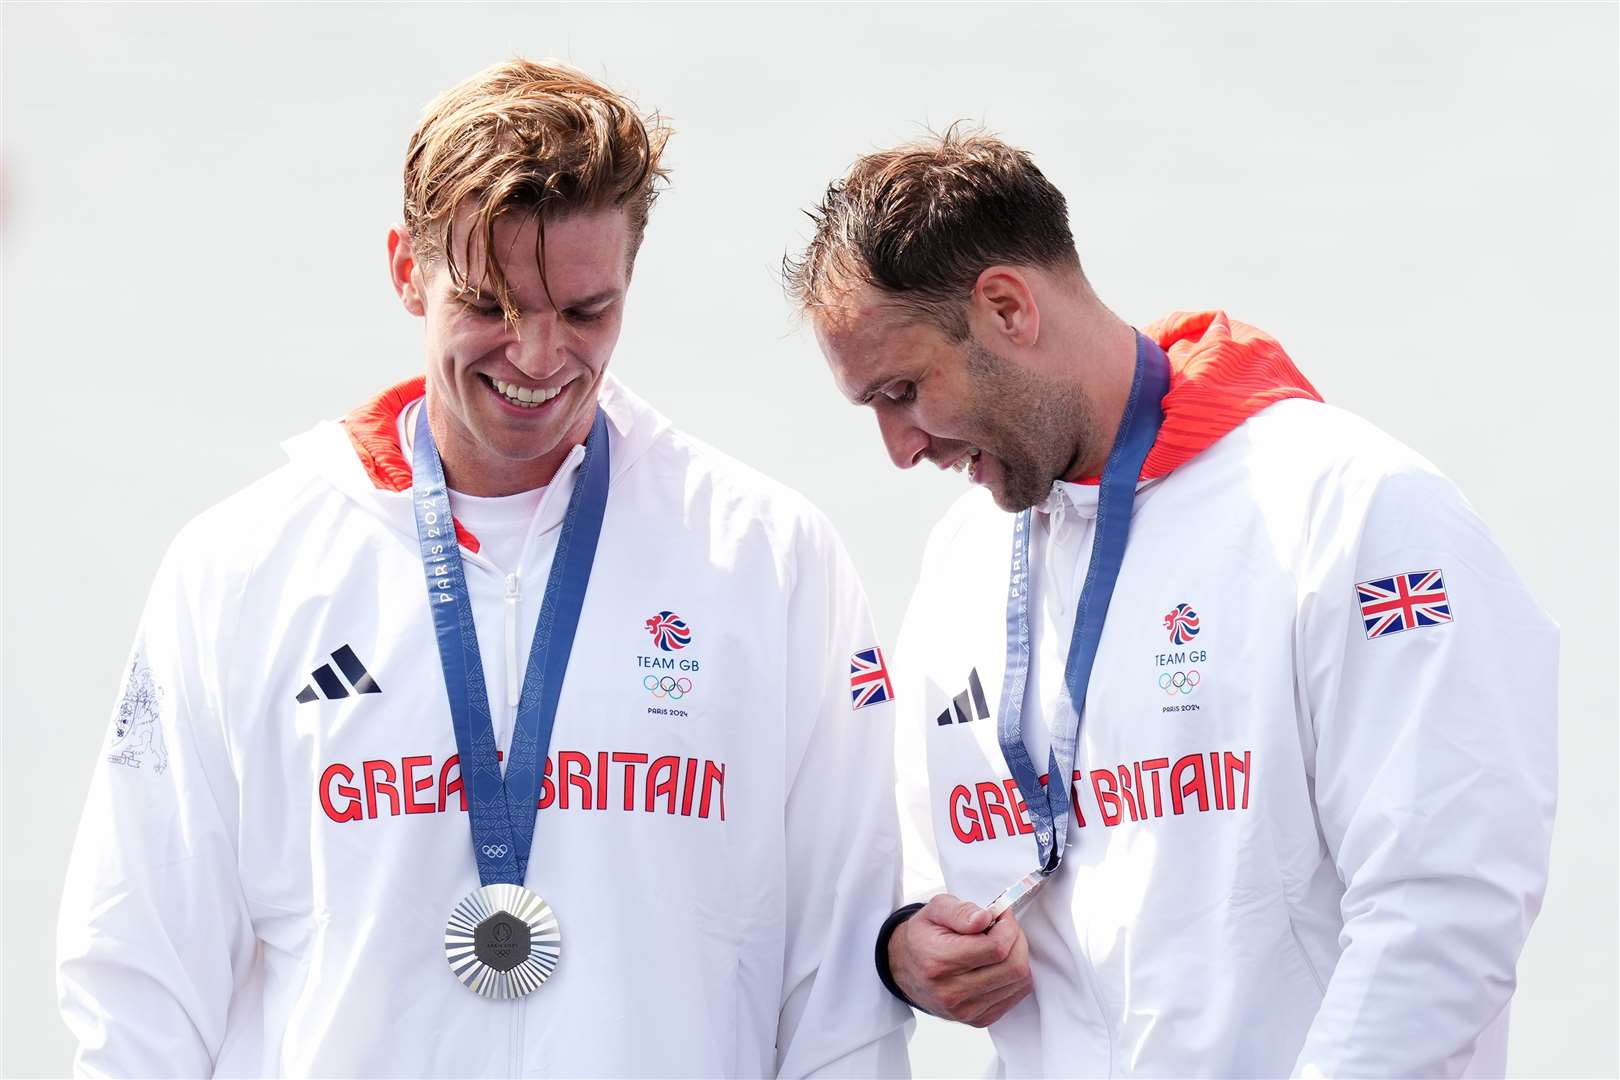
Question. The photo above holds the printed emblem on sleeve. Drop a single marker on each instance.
(869, 679)
(1405, 601)
(137, 738)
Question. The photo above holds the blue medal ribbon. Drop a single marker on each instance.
(1049, 808)
(501, 812)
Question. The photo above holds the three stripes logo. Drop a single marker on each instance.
(967, 706)
(325, 683)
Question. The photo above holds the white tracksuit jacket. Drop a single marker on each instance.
(1299, 848)
(269, 854)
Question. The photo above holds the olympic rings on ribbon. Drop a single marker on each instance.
(1180, 682)
(667, 686)
(494, 851)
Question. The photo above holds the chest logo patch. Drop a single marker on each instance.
(1178, 672)
(669, 631)
(324, 682)
(967, 706)
(668, 678)
(1182, 622)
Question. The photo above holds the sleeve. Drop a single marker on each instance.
(1434, 725)
(922, 876)
(154, 937)
(843, 867)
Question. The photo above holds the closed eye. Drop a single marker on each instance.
(472, 308)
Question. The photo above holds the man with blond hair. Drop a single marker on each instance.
(1223, 703)
(505, 730)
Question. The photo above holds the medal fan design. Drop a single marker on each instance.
(488, 953)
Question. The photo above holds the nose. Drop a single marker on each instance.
(906, 444)
(537, 346)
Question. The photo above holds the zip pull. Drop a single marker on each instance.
(513, 685)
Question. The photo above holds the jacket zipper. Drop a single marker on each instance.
(514, 685)
(1069, 600)
(515, 1067)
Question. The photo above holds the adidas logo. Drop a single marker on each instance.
(968, 705)
(331, 687)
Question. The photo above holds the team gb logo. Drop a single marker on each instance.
(1182, 622)
(669, 631)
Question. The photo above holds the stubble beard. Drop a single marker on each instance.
(1037, 428)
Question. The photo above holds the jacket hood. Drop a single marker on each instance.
(1221, 373)
(361, 456)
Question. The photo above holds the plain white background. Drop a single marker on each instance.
(1419, 201)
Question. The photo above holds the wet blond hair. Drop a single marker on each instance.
(526, 136)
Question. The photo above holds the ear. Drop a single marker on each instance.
(1002, 295)
(406, 273)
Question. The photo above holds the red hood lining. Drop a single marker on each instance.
(1221, 373)
(373, 429)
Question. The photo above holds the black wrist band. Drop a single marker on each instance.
(885, 932)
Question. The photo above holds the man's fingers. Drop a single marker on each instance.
(956, 915)
(943, 954)
(995, 1006)
(983, 995)
(951, 960)
(1010, 968)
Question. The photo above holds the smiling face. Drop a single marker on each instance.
(957, 404)
(508, 400)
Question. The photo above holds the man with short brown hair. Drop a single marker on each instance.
(1270, 706)
(507, 586)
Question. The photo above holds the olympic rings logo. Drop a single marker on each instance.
(1180, 682)
(667, 686)
(495, 851)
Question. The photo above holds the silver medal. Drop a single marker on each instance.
(502, 941)
(1017, 895)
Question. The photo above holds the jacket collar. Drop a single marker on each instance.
(361, 456)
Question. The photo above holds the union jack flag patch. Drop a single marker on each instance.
(869, 679)
(1403, 602)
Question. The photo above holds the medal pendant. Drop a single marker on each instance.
(1017, 895)
(502, 941)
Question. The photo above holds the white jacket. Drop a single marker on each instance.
(1307, 841)
(269, 853)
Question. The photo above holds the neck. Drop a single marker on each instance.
(1103, 362)
(471, 469)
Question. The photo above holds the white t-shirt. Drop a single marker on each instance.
(502, 523)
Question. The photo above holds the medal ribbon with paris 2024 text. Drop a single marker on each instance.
(501, 811)
(1049, 806)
